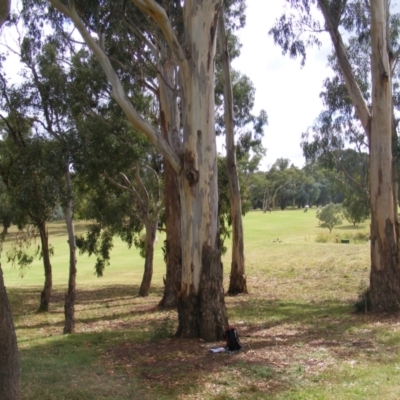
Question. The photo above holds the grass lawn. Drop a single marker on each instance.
(301, 338)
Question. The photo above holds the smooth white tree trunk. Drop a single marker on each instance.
(70, 296)
(384, 279)
(201, 305)
(384, 290)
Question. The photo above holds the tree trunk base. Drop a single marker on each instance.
(169, 300)
(203, 314)
(69, 312)
(384, 291)
(44, 301)
(9, 357)
(237, 285)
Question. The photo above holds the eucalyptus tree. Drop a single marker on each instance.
(9, 357)
(192, 40)
(30, 170)
(236, 114)
(45, 106)
(6, 209)
(146, 190)
(10, 375)
(278, 177)
(375, 119)
(352, 178)
(330, 216)
(119, 178)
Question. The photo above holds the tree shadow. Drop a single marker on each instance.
(351, 227)
(280, 338)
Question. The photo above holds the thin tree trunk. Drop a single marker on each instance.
(170, 128)
(70, 296)
(201, 306)
(151, 230)
(48, 281)
(385, 276)
(9, 356)
(395, 178)
(237, 281)
(173, 239)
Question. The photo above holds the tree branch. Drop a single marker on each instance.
(158, 14)
(351, 84)
(118, 93)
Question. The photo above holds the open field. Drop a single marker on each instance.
(301, 338)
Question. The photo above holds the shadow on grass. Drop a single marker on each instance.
(104, 304)
(281, 339)
(351, 228)
(26, 295)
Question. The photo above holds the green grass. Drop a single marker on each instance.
(301, 338)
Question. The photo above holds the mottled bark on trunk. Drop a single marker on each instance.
(200, 312)
(48, 279)
(9, 357)
(196, 163)
(70, 296)
(173, 239)
(237, 281)
(170, 130)
(385, 275)
(201, 305)
(151, 230)
(395, 177)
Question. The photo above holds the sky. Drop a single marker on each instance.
(288, 92)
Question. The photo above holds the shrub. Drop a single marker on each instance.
(322, 238)
(330, 216)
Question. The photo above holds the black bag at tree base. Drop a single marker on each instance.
(232, 339)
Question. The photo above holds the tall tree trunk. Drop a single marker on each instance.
(48, 279)
(70, 296)
(4, 11)
(237, 281)
(201, 306)
(151, 231)
(395, 177)
(9, 357)
(170, 129)
(384, 277)
(173, 239)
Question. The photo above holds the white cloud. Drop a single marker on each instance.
(288, 93)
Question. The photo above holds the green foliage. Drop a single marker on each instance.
(98, 242)
(22, 251)
(356, 209)
(322, 238)
(330, 216)
(140, 244)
